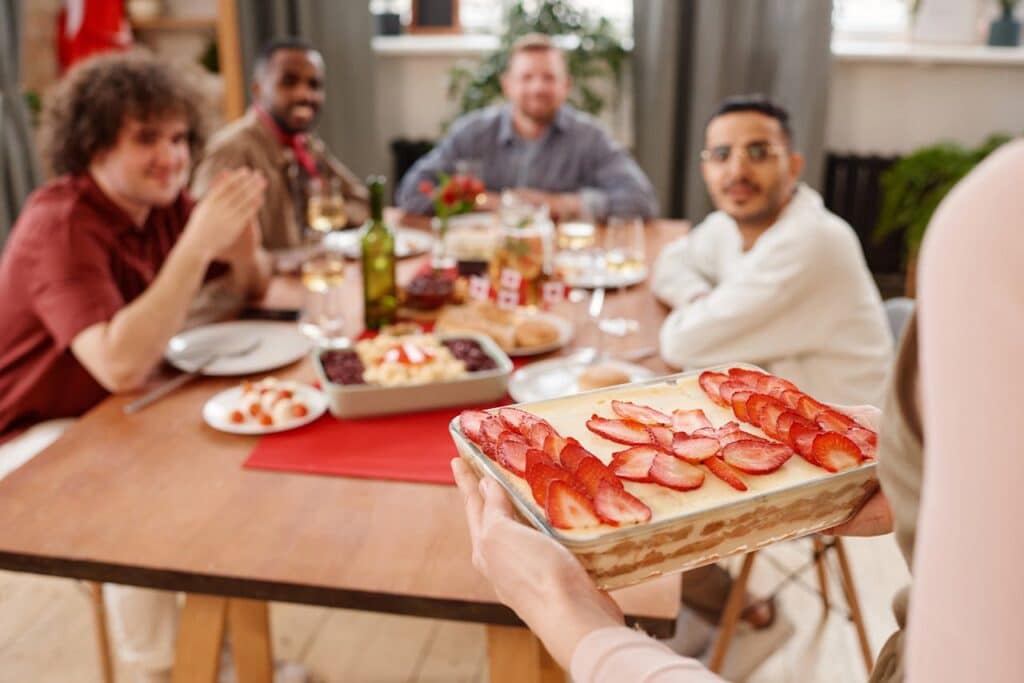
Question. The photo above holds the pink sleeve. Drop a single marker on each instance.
(965, 621)
(617, 654)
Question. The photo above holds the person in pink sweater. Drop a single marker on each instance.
(955, 402)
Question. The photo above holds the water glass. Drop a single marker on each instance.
(323, 314)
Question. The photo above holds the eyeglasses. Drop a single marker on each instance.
(755, 153)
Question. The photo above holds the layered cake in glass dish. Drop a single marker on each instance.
(674, 473)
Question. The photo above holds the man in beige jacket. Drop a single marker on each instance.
(274, 138)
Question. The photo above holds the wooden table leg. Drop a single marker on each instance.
(515, 655)
(819, 561)
(200, 632)
(851, 599)
(99, 611)
(249, 625)
(731, 615)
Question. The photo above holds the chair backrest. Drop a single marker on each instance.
(898, 310)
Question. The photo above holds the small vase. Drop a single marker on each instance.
(441, 259)
(1004, 31)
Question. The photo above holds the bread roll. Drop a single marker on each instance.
(598, 376)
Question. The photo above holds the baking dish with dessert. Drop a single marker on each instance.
(676, 472)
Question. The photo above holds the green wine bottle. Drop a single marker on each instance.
(380, 295)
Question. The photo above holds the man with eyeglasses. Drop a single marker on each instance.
(771, 278)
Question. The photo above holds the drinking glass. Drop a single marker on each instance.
(322, 318)
(624, 260)
(325, 207)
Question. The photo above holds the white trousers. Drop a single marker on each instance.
(143, 622)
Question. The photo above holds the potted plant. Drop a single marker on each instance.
(597, 54)
(1005, 30)
(915, 185)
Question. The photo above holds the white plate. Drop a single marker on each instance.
(217, 409)
(280, 345)
(594, 278)
(408, 242)
(565, 331)
(558, 377)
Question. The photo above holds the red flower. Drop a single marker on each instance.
(426, 187)
(476, 187)
(449, 195)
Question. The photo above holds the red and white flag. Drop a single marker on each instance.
(88, 27)
(553, 291)
(510, 279)
(508, 299)
(479, 288)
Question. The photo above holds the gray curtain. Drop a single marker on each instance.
(342, 32)
(690, 54)
(19, 166)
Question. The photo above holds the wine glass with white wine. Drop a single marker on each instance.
(325, 206)
(624, 260)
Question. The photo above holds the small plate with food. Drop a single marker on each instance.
(264, 407)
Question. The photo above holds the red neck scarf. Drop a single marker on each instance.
(295, 141)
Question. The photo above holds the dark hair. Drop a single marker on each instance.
(271, 48)
(89, 107)
(758, 103)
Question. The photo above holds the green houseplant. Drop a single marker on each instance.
(915, 185)
(597, 54)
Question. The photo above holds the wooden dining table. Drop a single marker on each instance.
(159, 499)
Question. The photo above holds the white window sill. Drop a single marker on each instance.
(442, 45)
(850, 50)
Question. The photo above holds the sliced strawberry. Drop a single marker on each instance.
(675, 473)
(540, 476)
(787, 420)
(634, 464)
(834, 421)
(739, 435)
(538, 433)
(511, 450)
(490, 429)
(694, 448)
(620, 431)
(689, 421)
(534, 457)
(774, 386)
(517, 420)
(739, 405)
(726, 473)
(710, 382)
(567, 508)
(769, 415)
(469, 423)
(645, 415)
(591, 472)
(709, 432)
(791, 398)
(801, 438)
(756, 457)
(745, 376)
(810, 408)
(729, 388)
(572, 453)
(617, 507)
(835, 452)
(661, 436)
(730, 426)
(866, 440)
(553, 445)
(755, 404)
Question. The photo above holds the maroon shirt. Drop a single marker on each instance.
(73, 259)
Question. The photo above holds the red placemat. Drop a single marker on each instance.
(410, 447)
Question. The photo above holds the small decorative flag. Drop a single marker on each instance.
(508, 299)
(479, 288)
(510, 278)
(553, 291)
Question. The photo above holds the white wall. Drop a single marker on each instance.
(887, 103)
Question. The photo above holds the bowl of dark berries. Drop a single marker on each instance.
(429, 291)
(397, 374)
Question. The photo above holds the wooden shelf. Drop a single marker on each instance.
(174, 23)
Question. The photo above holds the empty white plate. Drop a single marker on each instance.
(408, 242)
(280, 344)
(559, 377)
